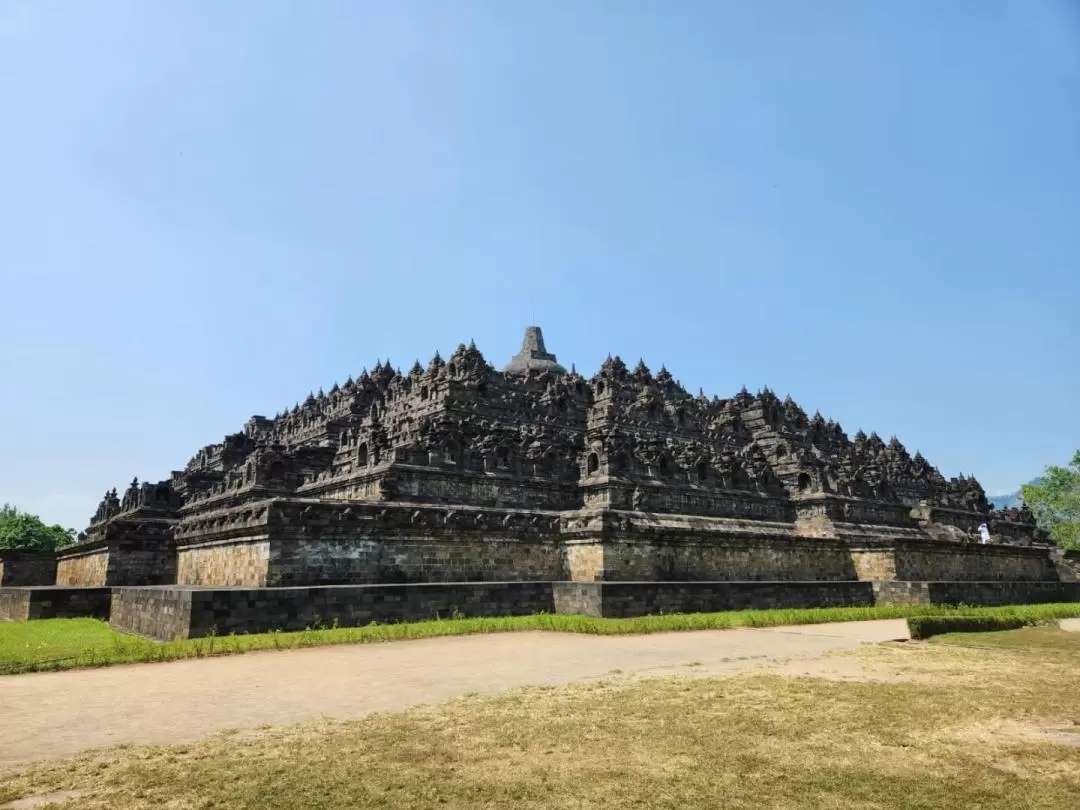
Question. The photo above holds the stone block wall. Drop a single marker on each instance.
(1002, 593)
(639, 546)
(127, 550)
(416, 557)
(930, 561)
(499, 490)
(891, 592)
(14, 604)
(118, 562)
(578, 597)
(189, 612)
(27, 568)
(623, 599)
(584, 560)
(687, 557)
(139, 562)
(186, 612)
(975, 593)
(159, 613)
(168, 613)
(53, 602)
(873, 564)
(922, 561)
(83, 567)
(241, 562)
(296, 542)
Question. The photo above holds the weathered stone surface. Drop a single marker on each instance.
(537, 438)
(975, 593)
(1067, 564)
(240, 562)
(623, 599)
(85, 567)
(124, 559)
(458, 472)
(19, 567)
(186, 612)
(53, 602)
(582, 598)
(682, 558)
(155, 612)
(533, 357)
(972, 562)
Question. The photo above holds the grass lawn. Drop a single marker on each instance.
(933, 725)
(1047, 639)
(51, 644)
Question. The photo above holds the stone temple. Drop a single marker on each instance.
(462, 488)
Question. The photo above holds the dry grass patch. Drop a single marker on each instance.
(953, 727)
(1028, 640)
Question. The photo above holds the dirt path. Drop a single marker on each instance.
(58, 714)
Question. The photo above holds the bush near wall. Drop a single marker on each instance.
(923, 627)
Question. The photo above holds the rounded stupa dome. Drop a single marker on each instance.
(533, 356)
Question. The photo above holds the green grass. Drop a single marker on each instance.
(1044, 639)
(51, 644)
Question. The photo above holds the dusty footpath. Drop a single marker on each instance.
(57, 714)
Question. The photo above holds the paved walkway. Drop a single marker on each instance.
(57, 714)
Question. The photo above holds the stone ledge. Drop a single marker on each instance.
(174, 612)
(54, 602)
(167, 613)
(21, 568)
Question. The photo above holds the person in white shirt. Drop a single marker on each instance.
(984, 534)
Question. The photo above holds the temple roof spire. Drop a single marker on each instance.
(533, 356)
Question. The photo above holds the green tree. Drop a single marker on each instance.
(1055, 502)
(21, 530)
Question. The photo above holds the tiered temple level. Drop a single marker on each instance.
(460, 471)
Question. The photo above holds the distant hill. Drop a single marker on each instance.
(1005, 501)
(1009, 500)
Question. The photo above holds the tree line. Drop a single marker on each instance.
(1055, 502)
(22, 530)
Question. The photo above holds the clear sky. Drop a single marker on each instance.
(209, 209)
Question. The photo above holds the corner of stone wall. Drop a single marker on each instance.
(1067, 564)
(163, 614)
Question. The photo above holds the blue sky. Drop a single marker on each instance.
(210, 209)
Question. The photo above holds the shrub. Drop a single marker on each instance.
(923, 627)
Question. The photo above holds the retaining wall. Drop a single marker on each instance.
(975, 593)
(190, 612)
(20, 568)
(53, 602)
